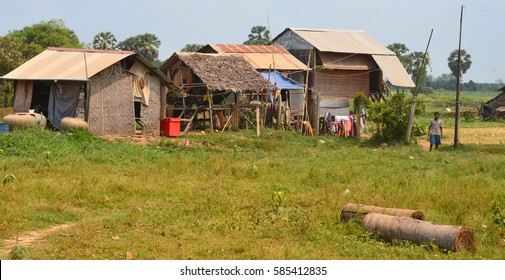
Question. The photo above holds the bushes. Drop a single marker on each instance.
(392, 116)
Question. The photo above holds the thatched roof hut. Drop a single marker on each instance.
(217, 72)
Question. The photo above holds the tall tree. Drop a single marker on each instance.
(192, 48)
(466, 62)
(11, 55)
(402, 52)
(145, 44)
(259, 35)
(417, 66)
(53, 33)
(105, 41)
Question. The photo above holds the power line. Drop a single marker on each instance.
(486, 11)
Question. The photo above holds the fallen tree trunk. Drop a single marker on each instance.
(453, 238)
(352, 210)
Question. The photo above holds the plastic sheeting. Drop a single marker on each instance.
(62, 102)
(276, 78)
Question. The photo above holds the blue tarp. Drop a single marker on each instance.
(281, 81)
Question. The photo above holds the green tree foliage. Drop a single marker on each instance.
(41, 35)
(11, 54)
(145, 44)
(466, 62)
(192, 48)
(105, 41)
(402, 52)
(417, 64)
(470, 86)
(411, 61)
(259, 35)
(392, 116)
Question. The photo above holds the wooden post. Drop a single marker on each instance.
(258, 127)
(453, 238)
(358, 120)
(211, 117)
(458, 77)
(315, 106)
(408, 133)
(278, 125)
(305, 93)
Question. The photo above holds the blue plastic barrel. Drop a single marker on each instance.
(4, 128)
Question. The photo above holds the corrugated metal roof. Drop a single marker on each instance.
(342, 41)
(73, 64)
(262, 57)
(240, 48)
(394, 71)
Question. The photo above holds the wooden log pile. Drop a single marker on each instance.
(352, 210)
(405, 224)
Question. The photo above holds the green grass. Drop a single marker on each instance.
(219, 199)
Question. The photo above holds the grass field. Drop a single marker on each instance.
(235, 196)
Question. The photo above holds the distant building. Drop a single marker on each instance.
(495, 108)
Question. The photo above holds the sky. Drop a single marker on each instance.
(177, 23)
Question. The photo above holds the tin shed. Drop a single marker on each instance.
(116, 92)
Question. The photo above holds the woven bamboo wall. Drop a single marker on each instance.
(111, 106)
(333, 84)
(150, 115)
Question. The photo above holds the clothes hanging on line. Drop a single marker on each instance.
(343, 126)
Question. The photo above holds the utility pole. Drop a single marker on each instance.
(414, 94)
(458, 77)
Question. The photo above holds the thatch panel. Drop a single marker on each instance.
(150, 115)
(220, 72)
(332, 84)
(111, 109)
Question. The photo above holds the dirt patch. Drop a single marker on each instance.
(480, 135)
(27, 239)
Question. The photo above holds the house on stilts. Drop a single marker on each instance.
(343, 64)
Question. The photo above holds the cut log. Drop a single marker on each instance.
(353, 210)
(453, 238)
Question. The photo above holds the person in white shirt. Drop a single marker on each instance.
(435, 131)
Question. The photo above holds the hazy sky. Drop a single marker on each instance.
(229, 21)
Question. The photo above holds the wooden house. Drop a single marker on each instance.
(343, 64)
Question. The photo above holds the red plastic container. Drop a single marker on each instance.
(171, 127)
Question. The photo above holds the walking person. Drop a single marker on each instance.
(435, 130)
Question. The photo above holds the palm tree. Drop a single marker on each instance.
(259, 35)
(466, 62)
(104, 41)
(146, 44)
